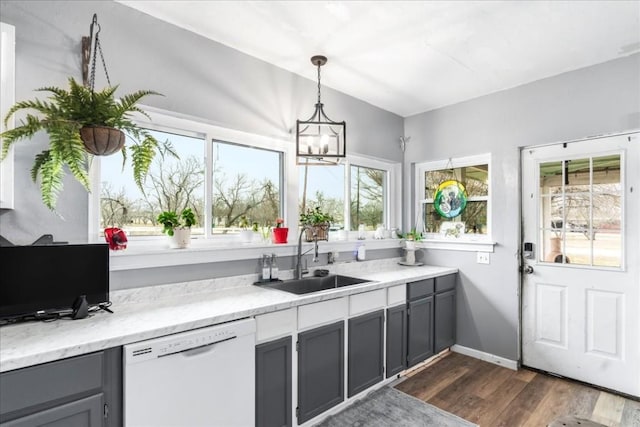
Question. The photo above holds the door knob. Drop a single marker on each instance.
(528, 269)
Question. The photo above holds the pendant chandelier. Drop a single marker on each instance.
(320, 140)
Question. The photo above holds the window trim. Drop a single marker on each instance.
(147, 252)
(7, 99)
(481, 243)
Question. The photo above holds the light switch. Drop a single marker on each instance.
(483, 258)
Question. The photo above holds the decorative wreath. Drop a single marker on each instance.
(450, 199)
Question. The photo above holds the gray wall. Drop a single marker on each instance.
(592, 101)
(197, 77)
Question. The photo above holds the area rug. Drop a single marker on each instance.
(386, 407)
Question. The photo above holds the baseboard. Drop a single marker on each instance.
(487, 357)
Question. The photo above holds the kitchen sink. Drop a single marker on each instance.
(308, 285)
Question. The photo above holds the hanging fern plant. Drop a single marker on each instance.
(64, 116)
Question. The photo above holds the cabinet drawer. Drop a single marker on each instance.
(367, 301)
(445, 283)
(396, 295)
(320, 313)
(40, 384)
(419, 289)
(276, 324)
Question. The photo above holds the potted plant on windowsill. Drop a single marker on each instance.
(280, 232)
(246, 235)
(75, 119)
(411, 238)
(316, 222)
(177, 227)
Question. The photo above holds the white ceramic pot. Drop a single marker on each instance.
(409, 244)
(181, 238)
(246, 236)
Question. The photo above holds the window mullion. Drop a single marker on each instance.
(347, 195)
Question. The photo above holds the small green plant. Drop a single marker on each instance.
(170, 220)
(412, 235)
(315, 217)
(244, 222)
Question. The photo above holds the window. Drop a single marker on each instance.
(474, 174)
(323, 186)
(581, 219)
(244, 173)
(367, 193)
(227, 177)
(171, 185)
(246, 187)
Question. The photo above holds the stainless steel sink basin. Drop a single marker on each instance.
(313, 284)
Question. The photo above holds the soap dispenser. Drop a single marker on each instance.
(274, 267)
(266, 270)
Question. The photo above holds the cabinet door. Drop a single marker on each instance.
(87, 412)
(320, 370)
(396, 339)
(273, 383)
(365, 344)
(445, 320)
(420, 330)
(37, 395)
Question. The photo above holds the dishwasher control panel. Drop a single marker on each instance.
(184, 341)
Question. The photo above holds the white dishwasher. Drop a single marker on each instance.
(198, 378)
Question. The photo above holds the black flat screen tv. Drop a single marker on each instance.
(42, 280)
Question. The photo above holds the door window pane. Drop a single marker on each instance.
(580, 205)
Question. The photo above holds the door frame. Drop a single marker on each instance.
(520, 251)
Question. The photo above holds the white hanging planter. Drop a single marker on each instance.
(181, 238)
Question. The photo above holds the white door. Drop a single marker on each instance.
(581, 280)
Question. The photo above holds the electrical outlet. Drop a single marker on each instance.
(483, 258)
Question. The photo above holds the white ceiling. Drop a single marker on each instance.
(408, 57)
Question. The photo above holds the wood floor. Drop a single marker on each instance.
(492, 396)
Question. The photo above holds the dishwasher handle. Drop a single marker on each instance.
(194, 351)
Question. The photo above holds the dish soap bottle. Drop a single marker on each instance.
(266, 271)
(274, 267)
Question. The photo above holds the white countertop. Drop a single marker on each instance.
(150, 312)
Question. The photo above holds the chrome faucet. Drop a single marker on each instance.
(299, 272)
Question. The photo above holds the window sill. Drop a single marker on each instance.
(462, 244)
(140, 256)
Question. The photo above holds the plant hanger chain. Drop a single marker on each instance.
(97, 48)
(452, 169)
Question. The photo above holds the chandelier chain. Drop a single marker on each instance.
(319, 83)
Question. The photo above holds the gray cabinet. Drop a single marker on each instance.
(83, 391)
(365, 351)
(396, 340)
(273, 383)
(431, 317)
(79, 413)
(419, 330)
(445, 320)
(445, 312)
(320, 370)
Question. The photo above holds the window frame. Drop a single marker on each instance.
(469, 242)
(165, 121)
